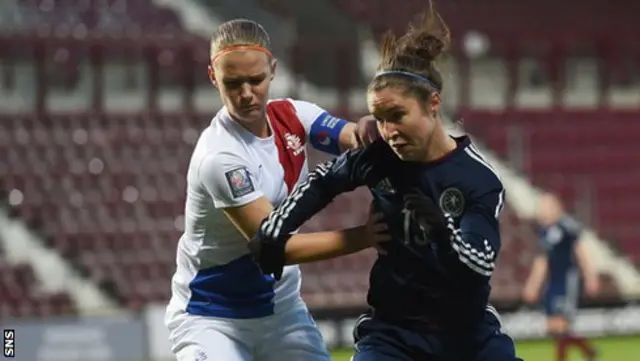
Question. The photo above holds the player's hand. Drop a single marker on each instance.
(376, 230)
(366, 131)
(268, 253)
(426, 213)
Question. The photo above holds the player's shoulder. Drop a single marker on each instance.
(570, 224)
(297, 104)
(479, 174)
(219, 142)
(306, 111)
(472, 178)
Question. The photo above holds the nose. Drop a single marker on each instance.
(388, 129)
(246, 92)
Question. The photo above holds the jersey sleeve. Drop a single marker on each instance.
(229, 179)
(476, 242)
(541, 247)
(322, 128)
(345, 173)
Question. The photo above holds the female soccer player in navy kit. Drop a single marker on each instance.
(563, 265)
(441, 200)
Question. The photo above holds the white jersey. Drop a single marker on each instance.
(230, 167)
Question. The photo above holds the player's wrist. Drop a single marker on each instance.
(357, 238)
(265, 238)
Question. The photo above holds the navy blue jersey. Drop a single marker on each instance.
(558, 241)
(441, 282)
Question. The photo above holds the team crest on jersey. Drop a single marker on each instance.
(294, 143)
(452, 202)
(239, 182)
(200, 356)
(385, 186)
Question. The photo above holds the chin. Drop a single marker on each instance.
(403, 155)
(252, 117)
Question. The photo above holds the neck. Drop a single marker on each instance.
(258, 128)
(440, 145)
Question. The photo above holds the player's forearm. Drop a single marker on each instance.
(472, 256)
(584, 261)
(538, 272)
(306, 200)
(475, 244)
(311, 247)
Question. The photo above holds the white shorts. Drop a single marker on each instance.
(291, 336)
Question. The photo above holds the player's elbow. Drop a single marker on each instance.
(476, 253)
(247, 218)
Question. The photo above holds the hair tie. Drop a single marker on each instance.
(421, 78)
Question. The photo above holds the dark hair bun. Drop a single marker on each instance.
(422, 44)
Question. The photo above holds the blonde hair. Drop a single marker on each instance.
(239, 32)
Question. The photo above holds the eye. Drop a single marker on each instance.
(257, 80)
(232, 84)
(394, 117)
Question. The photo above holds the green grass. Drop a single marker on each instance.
(611, 349)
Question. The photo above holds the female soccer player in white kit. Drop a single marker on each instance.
(245, 163)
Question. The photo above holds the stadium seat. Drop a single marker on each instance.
(20, 297)
(104, 15)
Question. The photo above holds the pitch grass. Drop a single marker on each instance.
(611, 349)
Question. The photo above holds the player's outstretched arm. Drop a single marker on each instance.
(536, 279)
(273, 245)
(589, 271)
(230, 180)
(328, 180)
(332, 135)
(311, 247)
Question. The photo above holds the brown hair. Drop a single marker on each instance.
(239, 32)
(415, 52)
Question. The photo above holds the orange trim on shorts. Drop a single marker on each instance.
(240, 48)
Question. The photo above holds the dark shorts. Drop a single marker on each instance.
(377, 340)
(560, 304)
(562, 298)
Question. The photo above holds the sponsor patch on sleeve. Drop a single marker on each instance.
(239, 182)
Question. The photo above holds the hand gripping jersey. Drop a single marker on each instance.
(231, 167)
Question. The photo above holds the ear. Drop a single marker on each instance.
(434, 104)
(212, 75)
(274, 66)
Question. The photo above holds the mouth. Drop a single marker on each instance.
(250, 108)
(399, 146)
